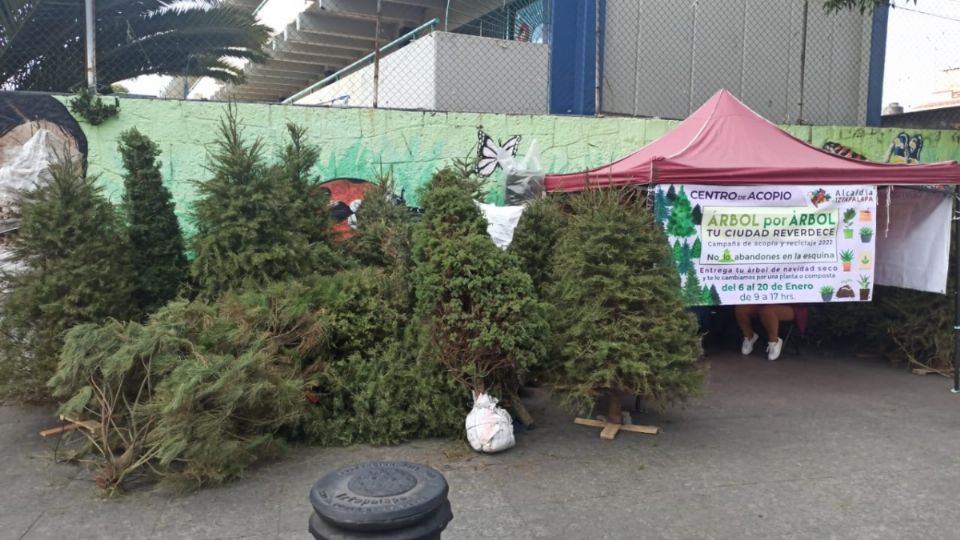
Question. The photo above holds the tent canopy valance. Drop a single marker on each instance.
(724, 142)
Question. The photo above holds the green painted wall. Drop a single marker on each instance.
(361, 142)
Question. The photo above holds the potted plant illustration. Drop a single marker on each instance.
(826, 292)
(848, 216)
(846, 257)
(864, 261)
(866, 233)
(865, 215)
(864, 282)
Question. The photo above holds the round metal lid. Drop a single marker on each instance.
(428, 529)
(378, 495)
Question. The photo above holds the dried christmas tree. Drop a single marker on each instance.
(383, 239)
(203, 391)
(478, 310)
(157, 257)
(258, 223)
(73, 267)
(384, 233)
(536, 237)
(619, 320)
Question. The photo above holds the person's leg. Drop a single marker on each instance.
(770, 317)
(743, 315)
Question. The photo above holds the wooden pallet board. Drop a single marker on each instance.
(609, 431)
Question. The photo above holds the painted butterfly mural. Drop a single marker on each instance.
(490, 155)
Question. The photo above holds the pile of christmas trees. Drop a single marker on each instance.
(274, 333)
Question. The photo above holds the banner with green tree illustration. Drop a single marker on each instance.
(770, 244)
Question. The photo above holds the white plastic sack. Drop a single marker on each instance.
(26, 169)
(489, 428)
(501, 222)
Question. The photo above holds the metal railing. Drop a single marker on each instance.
(373, 57)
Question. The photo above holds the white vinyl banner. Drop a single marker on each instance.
(770, 244)
(913, 247)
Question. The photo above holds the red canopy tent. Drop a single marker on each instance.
(725, 142)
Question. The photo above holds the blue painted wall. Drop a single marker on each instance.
(573, 56)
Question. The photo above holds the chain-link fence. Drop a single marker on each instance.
(789, 60)
(42, 46)
(479, 56)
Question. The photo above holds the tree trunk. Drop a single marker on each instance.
(519, 410)
(614, 410)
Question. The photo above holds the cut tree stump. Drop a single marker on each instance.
(520, 412)
(609, 430)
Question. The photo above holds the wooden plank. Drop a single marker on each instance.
(927, 371)
(591, 423)
(610, 431)
(57, 431)
(649, 430)
(89, 425)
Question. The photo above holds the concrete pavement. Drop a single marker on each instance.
(805, 447)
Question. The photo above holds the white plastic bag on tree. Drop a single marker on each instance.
(27, 168)
(501, 222)
(489, 428)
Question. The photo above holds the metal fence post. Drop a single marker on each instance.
(376, 57)
(90, 20)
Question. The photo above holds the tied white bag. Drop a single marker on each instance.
(501, 222)
(489, 428)
(27, 169)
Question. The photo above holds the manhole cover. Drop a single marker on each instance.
(381, 482)
(379, 495)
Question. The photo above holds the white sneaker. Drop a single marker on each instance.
(747, 346)
(774, 348)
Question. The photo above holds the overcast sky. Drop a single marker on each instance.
(919, 47)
